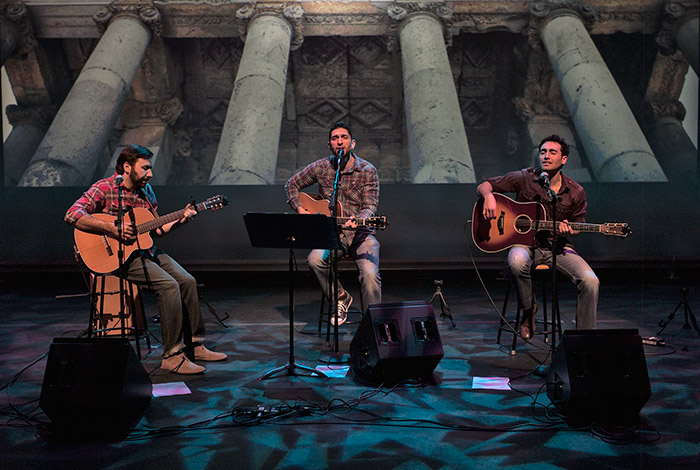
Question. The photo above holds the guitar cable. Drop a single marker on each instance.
(486, 290)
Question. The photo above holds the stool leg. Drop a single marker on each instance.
(321, 311)
(544, 311)
(501, 320)
(516, 328)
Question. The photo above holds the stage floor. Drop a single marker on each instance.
(310, 422)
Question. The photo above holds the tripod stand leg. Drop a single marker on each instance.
(693, 320)
(445, 309)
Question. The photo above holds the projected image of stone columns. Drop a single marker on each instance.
(70, 151)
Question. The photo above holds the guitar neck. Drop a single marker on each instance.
(158, 222)
(578, 226)
(361, 221)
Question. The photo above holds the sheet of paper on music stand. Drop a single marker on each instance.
(170, 389)
(491, 383)
(334, 371)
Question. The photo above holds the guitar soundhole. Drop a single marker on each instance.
(523, 224)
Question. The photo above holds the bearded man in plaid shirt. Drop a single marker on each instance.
(176, 289)
(358, 195)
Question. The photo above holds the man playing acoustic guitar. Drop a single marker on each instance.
(175, 288)
(358, 195)
(530, 185)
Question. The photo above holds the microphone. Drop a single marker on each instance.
(120, 180)
(544, 179)
(340, 156)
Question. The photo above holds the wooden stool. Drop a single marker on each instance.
(540, 273)
(105, 304)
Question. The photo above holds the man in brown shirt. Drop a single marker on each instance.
(570, 207)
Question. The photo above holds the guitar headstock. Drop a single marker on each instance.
(378, 222)
(618, 229)
(215, 203)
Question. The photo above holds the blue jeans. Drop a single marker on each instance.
(177, 295)
(569, 263)
(365, 252)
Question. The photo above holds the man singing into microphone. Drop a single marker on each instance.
(534, 185)
(358, 195)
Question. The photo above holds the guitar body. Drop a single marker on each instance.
(100, 253)
(514, 224)
(315, 204)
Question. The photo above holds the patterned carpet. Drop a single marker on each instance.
(231, 419)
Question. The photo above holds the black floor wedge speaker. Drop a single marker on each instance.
(599, 375)
(395, 342)
(94, 386)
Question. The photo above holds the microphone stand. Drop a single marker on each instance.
(120, 257)
(556, 320)
(332, 207)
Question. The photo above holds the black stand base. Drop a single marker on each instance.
(335, 358)
(291, 369)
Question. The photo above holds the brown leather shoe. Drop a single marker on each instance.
(179, 364)
(527, 323)
(203, 354)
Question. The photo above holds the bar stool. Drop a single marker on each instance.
(541, 274)
(105, 304)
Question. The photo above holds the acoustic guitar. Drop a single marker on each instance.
(517, 223)
(99, 252)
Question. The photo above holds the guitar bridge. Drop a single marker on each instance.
(501, 223)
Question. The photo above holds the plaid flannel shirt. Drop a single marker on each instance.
(358, 189)
(103, 197)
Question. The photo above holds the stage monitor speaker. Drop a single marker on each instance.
(599, 375)
(94, 386)
(395, 342)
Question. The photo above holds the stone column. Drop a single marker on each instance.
(543, 109)
(150, 125)
(152, 109)
(29, 123)
(616, 147)
(663, 118)
(16, 31)
(687, 40)
(679, 31)
(247, 152)
(437, 140)
(70, 151)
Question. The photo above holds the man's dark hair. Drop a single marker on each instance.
(129, 155)
(339, 125)
(556, 139)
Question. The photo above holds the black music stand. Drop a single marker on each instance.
(283, 230)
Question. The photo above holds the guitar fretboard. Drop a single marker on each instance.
(579, 226)
(158, 222)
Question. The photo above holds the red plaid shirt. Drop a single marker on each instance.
(358, 189)
(103, 197)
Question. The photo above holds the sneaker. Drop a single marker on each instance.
(179, 364)
(203, 354)
(344, 303)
